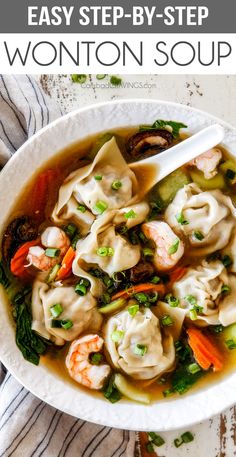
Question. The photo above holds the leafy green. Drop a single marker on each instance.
(110, 391)
(161, 124)
(182, 380)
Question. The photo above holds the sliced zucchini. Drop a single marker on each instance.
(230, 336)
(169, 186)
(228, 168)
(113, 306)
(217, 182)
(131, 392)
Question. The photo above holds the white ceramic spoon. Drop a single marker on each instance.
(151, 170)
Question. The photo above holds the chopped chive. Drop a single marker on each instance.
(105, 251)
(149, 447)
(70, 230)
(98, 178)
(191, 299)
(198, 309)
(132, 310)
(141, 297)
(96, 358)
(156, 439)
(99, 77)
(52, 252)
(155, 280)
(198, 235)
(227, 261)
(172, 301)
(81, 289)
(147, 252)
(110, 391)
(80, 79)
(167, 320)
(115, 81)
(100, 207)
(167, 392)
(231, 344)
(130, 215)
(230, 174)
(152, 298)
(56, 310)
(174, 248)
(85, 282)
(225, 289)
(117, 336)
(193, 368)
(81, 208)
(180, 219)
(66, 324)
(116, 185)
(193, 314)
(140, 349)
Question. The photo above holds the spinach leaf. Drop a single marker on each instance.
(160, 124)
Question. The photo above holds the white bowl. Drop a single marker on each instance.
(181, 411)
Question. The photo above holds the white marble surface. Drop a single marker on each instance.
(217, 95)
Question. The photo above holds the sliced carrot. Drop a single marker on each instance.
(66, 266)
(42, 190)
(177, 274)
(205, 350)
(18, 262)
(147, 287)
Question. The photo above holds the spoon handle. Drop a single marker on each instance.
(183, 152)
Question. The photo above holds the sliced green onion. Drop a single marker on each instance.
(80, 79)
(167, 320)
(85, 282)
(75, 241)
(81, 289)
(96, 358)
(231, 344)
(172, 301)
(155, 280)
(227, 261)
(152, 298)
(115, 81)
(186, 437)
(147, 252)
(117, 336)
(110, 391)
(167, 392)
(130, 215)
(142, 237)
(230, 174)
(100, 207)
(217, 328)
(81, 208)
(178, 346)
(70, 230)
(53, 273)
(140, 349)
(156, 439)
(194, 368)
(52, 252)
(106, 298)
(149, 447)
(180, 219)
(198, 235)
(105, 251)
(193, 314)
(66, 324)
(98, 178)
(191, 299)
(174, 248)
(116, 185)
(132, 310)
(225, 289)
(56, 310)
(112, 306)
(141, 297)
(100, 76)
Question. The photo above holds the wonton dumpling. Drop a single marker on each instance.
(70, 213)
(143, 329)
(85, 189)
(211, 213)
(80, 310)
(204, 284)
(227, 306)
(230, 250)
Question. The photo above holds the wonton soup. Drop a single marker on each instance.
(126, 294)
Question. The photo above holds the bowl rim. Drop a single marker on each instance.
(119, 422)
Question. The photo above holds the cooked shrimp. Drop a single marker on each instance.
(169, 248)
(208, 162)
(79, 366)
(52, 237)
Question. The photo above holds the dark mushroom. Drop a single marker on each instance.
(147, 143)
(20, 230)
(141, 272)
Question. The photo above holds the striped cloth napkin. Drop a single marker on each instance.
(28, 426)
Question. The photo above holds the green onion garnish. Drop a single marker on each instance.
(167, 320)
(227, 261)
(52, 252)
(79, 78)
(230, 174)
(100, 207)
(193, 368)
(174, 248)
(193, 314)
(100, 76)
(141, 297)
(81, 208)
(56, 310)
(225, 289)
(186, 437)
(180, 219)
(167, 392)
(81, 289)
(231, 344)
(140, 349)
(98, 178)
(117, 336)
(115, 81)
(155, 280)
(172, 301)
(147, 252)
(96, 358)
(132, 310)
(156, 439)
(149, 447)
(70, 230)
(105, 251)
(66, 324)
(53, 273)
(116, 185)
(130, 215)
(152, 298)
(191, 299)
(198, 235)
(178, 346)
(217, 328)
